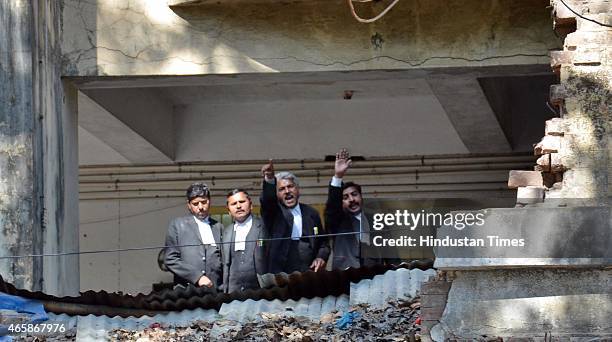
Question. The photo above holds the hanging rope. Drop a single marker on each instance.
(371, 20)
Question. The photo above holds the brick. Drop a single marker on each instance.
(435, 287)
(554, 126)
(558, 58)
(433, 300)
(518, 178)
(551, 163)
(548, 144)
(530, 194)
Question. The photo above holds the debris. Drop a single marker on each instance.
(347, 319)
(397, 321)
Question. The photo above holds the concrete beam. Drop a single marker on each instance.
(139, 139)
(478, 127)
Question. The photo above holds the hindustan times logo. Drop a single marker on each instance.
(412, 220)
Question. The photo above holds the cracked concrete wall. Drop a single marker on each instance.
(39, 183)
(147, 37)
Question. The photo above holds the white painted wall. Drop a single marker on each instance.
(408, 125)
(113, 224)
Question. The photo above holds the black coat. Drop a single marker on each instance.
(189, 263)
(348, 250)
(233, 278)
(278, 222)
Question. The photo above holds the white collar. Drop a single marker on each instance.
(205, 220)
(246, 223)
(296, 210)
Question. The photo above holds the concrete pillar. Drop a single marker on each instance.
(20, 196)
(38, 150)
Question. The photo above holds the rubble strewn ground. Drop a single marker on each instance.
(395, 322)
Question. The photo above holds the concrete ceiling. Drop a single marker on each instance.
(428, 111)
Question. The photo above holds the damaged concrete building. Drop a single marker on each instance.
(111, 108)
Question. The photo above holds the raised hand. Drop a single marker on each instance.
(267, 171)
(343, 162)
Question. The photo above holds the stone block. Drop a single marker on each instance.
(548, 144)
(518, 178)
(530, 194)
(555, 126)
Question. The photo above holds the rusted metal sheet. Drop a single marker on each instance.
(282, 286)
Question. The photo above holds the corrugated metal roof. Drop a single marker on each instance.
(393, 284)
(97, 328)
(396, 284)
(313, 308)
(284, 286)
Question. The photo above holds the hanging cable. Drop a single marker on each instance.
(371, 20)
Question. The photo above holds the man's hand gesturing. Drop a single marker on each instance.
(267, 171)
(343, 162)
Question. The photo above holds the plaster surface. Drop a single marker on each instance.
(527, 303)
(147, 37)
(577, 236)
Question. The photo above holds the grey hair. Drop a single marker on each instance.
(287, 175)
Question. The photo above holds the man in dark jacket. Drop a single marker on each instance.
(343, 214)
(288, 220)
(199, 265)
(243, 249)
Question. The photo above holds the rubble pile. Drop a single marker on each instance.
(198, 331)
(397, 321)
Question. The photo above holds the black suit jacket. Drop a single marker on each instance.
(348, 250)
(278, 222)
(230, 281)
(189, 263)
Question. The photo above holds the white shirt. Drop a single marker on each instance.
(241, 230)
(296, 231)
(205, 232)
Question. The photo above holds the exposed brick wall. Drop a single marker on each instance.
(434, 294)
(575, 152)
